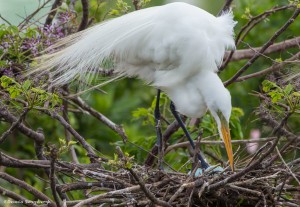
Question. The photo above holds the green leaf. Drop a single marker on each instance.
(297, 94)
(38, 91)
(268, 85)
(114, 12)
(26, 85)
(71, 143)
(275, 96)
(288, 89)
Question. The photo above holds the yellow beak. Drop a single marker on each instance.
(227, 141)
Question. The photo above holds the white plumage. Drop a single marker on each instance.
(176, 48)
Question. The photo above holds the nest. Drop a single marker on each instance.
(139, 186)
(258, 184)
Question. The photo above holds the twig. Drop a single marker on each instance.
(148, 193)
(106, 177)
(52, 14)
(245, 30)
(247, 190)
(114, 193)
(263, 48)
(67, 133)
(53, 156)
(27, 187)
(13, 126)
(187, 144)
(28, 18)
(5, 114)
(79, 138)
(172, 128)
(136, 4)
(226, 6)
(277, 47)
(288, 168)
(1, 17)
(117, 128)
(85, 15)
(16, 197)
(275, 67)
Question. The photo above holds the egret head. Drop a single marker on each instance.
(220, 109)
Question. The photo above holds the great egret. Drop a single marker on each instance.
(176, 48)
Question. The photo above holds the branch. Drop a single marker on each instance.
(172, 128)
(263, 48)
(247, 28)
(147, 192)
(17, 197)
(27, 187)
(275, 67)
(187, 143)
(85, 15)
(76, 135)
(226, 7)
(67, 133)
(27, 19)
(117, 128)
(13, 126)
(53, 156)
(37, 137)
(52, 14)
(277, 47)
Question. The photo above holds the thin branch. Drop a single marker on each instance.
(52, 14)
(67, 133)
(5, 114)
(1, 17)
(275, 67)
(172, 128)
(17, 197)
(246, 29)
(288, 168)
(76, 135)
(187, 144)
(13, 126)
(225, 7)
(117, 128)
(27, 187)
(85, 15)
(28, 18)
(263, 48)
(52, 177)
(277, 47)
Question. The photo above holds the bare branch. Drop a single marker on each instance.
(27, 187)
(52, 14)
(275, 67)
(277, 47)
(264, 47)
(85, 15)
(117, 128)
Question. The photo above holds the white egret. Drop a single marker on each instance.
(176, 48)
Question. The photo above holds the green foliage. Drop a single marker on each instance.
(284, 95)
(25, 91)
(121, 8)
(63, 148)
(14, 42)
(122, 162)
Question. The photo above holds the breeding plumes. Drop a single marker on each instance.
(176, 48)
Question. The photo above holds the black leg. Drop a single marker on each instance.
(181, 124)
(158, 130)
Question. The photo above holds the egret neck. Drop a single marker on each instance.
(218, 101)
